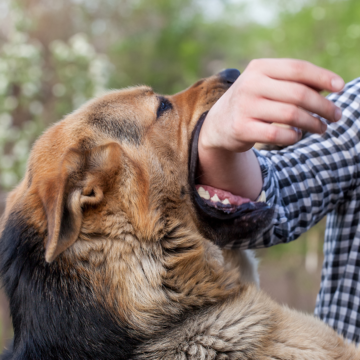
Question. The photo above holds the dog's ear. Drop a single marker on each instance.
(82, 180)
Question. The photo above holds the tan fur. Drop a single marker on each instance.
(121, 174)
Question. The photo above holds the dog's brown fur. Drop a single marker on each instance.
(107, 190)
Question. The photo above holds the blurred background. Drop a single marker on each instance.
(54, 55)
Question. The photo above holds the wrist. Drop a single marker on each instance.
(238, 173)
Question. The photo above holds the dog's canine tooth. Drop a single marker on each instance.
(203, 193)
(215, 198)
(226, 202)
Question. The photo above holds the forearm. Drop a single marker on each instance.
(303, 184)
(301, 187)
(238, 173)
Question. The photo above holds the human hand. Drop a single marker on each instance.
(282, 91)
(269, 90)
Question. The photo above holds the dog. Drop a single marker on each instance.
(108, 251)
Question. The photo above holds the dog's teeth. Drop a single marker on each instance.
(226, 202)
(262, 197)
(203, 193)
(215, 198)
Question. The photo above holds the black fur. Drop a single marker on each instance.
(53, 306)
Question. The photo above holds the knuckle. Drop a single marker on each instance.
(254, 64)
(300, 94)
(323, 79)
(298, 67)
(292, 114)
(272, 134)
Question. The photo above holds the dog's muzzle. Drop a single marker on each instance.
(225, 224)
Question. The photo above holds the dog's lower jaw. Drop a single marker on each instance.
(225, 224)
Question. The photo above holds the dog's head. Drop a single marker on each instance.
(107, 232)
(125, 162)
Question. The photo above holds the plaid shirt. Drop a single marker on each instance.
(318, 176)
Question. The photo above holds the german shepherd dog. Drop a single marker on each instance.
(109, 252)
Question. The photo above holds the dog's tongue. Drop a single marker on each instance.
(217, 195)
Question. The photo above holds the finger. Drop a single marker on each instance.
(286, 114)
(300, 71)
(266, 133)
(300, 95)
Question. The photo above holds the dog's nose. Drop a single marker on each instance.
(229, 75)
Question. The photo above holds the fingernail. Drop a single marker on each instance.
(298, 132)
(323, 127)
(337, 83)
(338, 114)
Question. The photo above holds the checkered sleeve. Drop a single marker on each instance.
(306, 181)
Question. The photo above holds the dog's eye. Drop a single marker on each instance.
(164, 105)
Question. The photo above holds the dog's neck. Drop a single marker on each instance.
(113, 282)
(146, 282)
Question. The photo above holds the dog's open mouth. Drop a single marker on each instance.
(228, 217)
(225, 200)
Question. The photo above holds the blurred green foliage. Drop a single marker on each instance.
(56, 55)
(173, 53)
(326, 33)
(39, 85)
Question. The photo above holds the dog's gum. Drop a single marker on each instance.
(217, 195)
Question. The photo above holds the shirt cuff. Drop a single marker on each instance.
(270, 189)
(267, 191)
